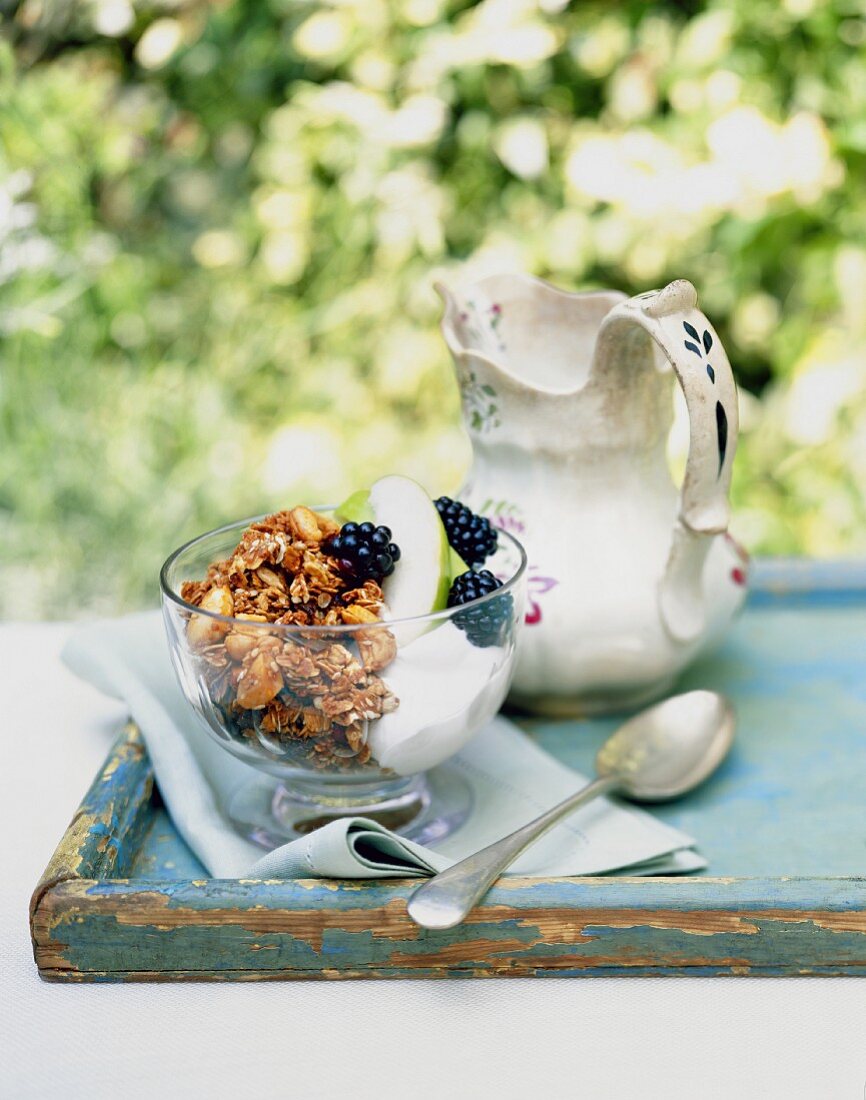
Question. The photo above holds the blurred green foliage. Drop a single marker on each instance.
(220, 225)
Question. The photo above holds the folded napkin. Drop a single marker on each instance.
(511, 780)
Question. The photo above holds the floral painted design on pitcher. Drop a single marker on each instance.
(635, 577)
(507, 516)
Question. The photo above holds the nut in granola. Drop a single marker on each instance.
(259, 682)
(377, 648)
(304, 525)
(203, 630)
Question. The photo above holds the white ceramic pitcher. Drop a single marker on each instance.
(568, 402)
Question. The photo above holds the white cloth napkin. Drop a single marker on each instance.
(512, 781)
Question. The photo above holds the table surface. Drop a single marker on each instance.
(589, 1037)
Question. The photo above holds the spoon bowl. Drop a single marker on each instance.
(670, 748)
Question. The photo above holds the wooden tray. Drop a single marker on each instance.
(783, 825)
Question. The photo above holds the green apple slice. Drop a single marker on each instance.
(355, 508)
(457, 564)
(421, 580)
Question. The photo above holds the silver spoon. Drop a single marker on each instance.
(661, 753)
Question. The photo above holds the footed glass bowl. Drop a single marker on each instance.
(347, 719)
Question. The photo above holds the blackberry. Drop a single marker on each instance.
(363, 551)
(473, 537)
(485, 625)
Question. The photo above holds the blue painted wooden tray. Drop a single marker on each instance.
(783, 825)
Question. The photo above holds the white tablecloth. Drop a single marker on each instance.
(502, 1038)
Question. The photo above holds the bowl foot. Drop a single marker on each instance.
(424, 808)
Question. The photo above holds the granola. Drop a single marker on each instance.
(308, 697)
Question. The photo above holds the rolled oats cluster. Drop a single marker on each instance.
(306, 697)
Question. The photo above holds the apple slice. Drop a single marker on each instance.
(355, 508)
(422, 578)
(457, 565)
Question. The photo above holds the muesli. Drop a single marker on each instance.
(306, 696)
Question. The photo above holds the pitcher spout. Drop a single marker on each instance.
(470, 323)
(537, 337)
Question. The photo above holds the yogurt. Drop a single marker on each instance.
(448, 688)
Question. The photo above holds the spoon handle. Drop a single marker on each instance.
(447, 898)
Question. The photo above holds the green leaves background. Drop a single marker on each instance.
(220, 225)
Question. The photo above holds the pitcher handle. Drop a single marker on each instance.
(689, 342)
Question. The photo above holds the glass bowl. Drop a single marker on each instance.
(348, 719)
